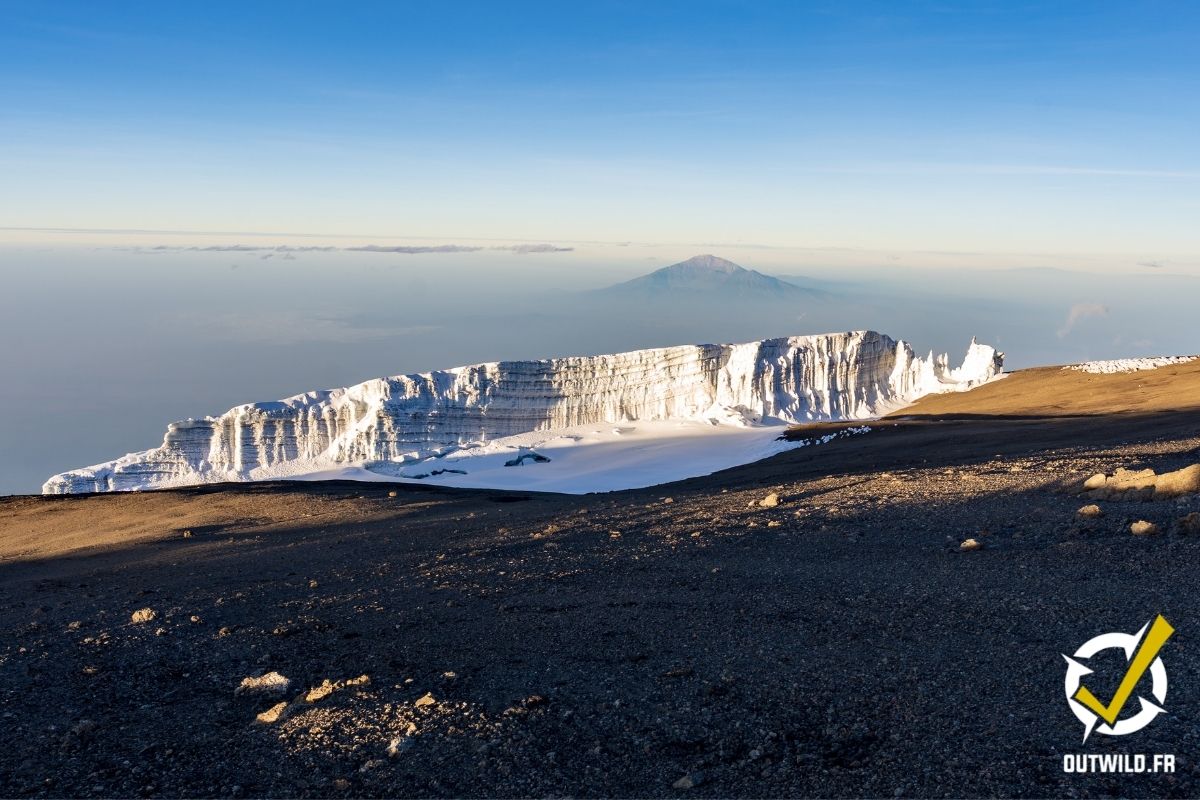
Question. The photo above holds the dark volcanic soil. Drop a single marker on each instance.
(837, 644)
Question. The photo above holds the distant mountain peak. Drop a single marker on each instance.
(708, 275)
(709, 262)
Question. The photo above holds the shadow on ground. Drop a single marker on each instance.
(836, 644)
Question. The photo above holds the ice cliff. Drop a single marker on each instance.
(388, 421)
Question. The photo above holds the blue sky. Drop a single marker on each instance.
(978, 127)
(884, 148)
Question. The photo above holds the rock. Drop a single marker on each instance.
(1092, 511)
(969, 545)
(374, 763)
(142, 616)
(399, 746)
(689, 781)
(425, 700)
(1178, 483)
(536, 458)
(74, 626)
(320, 692)
(276, 713)
(1143, 528)
(1143, 485)
(774, 523)
(328, 687)
(668, 499)
(770, 501)
(393, 493)
(341, 784)
(272, 684)
(1189, 524)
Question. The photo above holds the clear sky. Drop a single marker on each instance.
(983, 127)
(209, 203)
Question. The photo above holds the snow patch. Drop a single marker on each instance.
(1117, 366)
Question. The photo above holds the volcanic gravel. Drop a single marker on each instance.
(471, 643)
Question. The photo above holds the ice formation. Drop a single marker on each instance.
(381, 425)
(1129, 364)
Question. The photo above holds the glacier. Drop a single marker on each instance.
(375, 428)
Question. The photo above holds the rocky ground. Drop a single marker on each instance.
(690, 640)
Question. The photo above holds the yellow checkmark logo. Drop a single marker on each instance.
(1147, 651)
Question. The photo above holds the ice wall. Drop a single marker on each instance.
(852, 375)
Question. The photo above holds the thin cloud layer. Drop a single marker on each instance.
(287, 250)
(412, 250)
(1078, 312)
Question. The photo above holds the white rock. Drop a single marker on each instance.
(271, 684)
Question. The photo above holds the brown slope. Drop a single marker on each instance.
(1058, 391)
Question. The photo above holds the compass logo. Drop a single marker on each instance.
(1141, 656)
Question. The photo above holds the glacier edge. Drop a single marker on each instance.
(854, 375)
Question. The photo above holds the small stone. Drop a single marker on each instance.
(969, 545)
(142, 616)
(393, 493)
(689, 781)
(774, 523)
(341, 784)
(1092, 511)
(1143, 528)
(74, 626)
(374, 763)
(313, 584)
(425, 700)
(770, 501)
(187, 534)
(668, 499)
(1097, 481)
(270, 684)
(195, 619)
(399, 746)
(275, 713)
(225, 631)
(320, 692)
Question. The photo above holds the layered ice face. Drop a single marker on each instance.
(382, 424)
